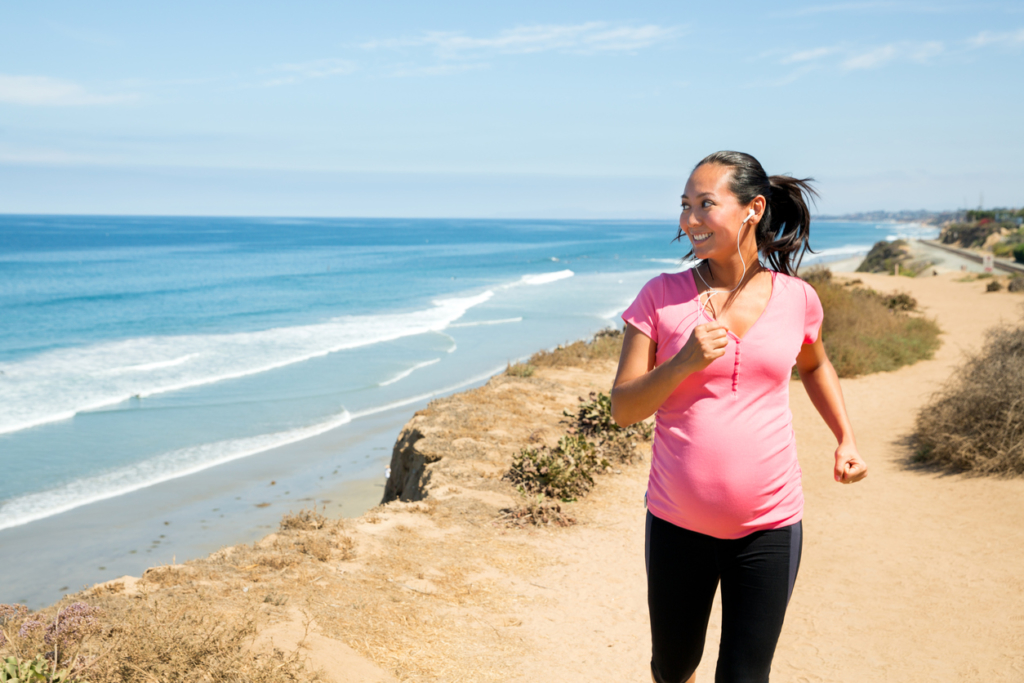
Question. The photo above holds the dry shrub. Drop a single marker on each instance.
(179, 643)
(993, 286)
(565, 472)
(863, 334)
(321, 545)
(168, 575)
(520, 370)
(303, 520)
(1016, 284)
(976, 423)
(133, 641)
(315, 545)
(276, 560)
(593, 419)
(537, 511)
(606, 345)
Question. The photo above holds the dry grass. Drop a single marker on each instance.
(172, 638)
(865, 331)
(520, 370)
(606, 345)
(536, 511)
(976, 423)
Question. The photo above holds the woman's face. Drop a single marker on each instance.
(712, 215)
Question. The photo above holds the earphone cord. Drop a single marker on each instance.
(710, 291)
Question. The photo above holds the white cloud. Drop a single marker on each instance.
(876, 6)
(587, 38)
(305, 71)
(871, 59)
(924, 52)
(43, 91)
(809, 55)
(436, 69)
(987, 38)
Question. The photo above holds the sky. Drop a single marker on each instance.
(502, 110)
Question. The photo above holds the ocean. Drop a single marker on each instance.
(156, 374)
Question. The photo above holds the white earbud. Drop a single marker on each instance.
(709, 290)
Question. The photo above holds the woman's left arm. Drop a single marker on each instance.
(822, 384)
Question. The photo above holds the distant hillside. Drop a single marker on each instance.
(921, 216)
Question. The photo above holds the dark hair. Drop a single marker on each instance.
(785, 227)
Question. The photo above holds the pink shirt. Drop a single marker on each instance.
(724, 454)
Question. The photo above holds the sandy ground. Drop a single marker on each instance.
(910, 575)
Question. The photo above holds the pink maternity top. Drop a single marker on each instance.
(724, 454)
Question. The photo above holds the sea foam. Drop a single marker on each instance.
(183, 462)
(57, 385)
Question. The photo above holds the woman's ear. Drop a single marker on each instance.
(758, 206)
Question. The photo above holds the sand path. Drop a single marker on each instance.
(909, 575)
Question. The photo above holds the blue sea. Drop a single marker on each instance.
(157, 373)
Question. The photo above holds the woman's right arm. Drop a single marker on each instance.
(640, 388)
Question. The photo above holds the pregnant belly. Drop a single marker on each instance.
(720, 497)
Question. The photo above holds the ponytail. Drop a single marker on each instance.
(784, 229)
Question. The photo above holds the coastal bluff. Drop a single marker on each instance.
(911, 575)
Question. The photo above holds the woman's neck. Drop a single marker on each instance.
(727, 273)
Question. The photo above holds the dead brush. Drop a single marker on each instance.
(520, 370)
(535, 511)
(976, 422)
(303, 520)
(865, 332)
(170, 640)
(565, 472)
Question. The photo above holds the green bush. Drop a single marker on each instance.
(1018, 253)
(1002, 249)
(565, 472)
(884, 256)
(593, 419)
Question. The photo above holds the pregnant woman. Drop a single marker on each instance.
(710, 352)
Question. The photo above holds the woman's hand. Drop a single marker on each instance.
(849, 466)
(706, 343)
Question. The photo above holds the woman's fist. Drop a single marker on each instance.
(849, 466)
(706, 343)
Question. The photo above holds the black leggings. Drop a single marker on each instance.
(683, 570)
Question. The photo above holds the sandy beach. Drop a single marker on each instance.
(912, 575)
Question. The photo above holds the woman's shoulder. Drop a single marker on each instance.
(792, 283)
(797, 291)
(668, 283)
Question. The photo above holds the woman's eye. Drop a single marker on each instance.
(685, 206)
(706, 203)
